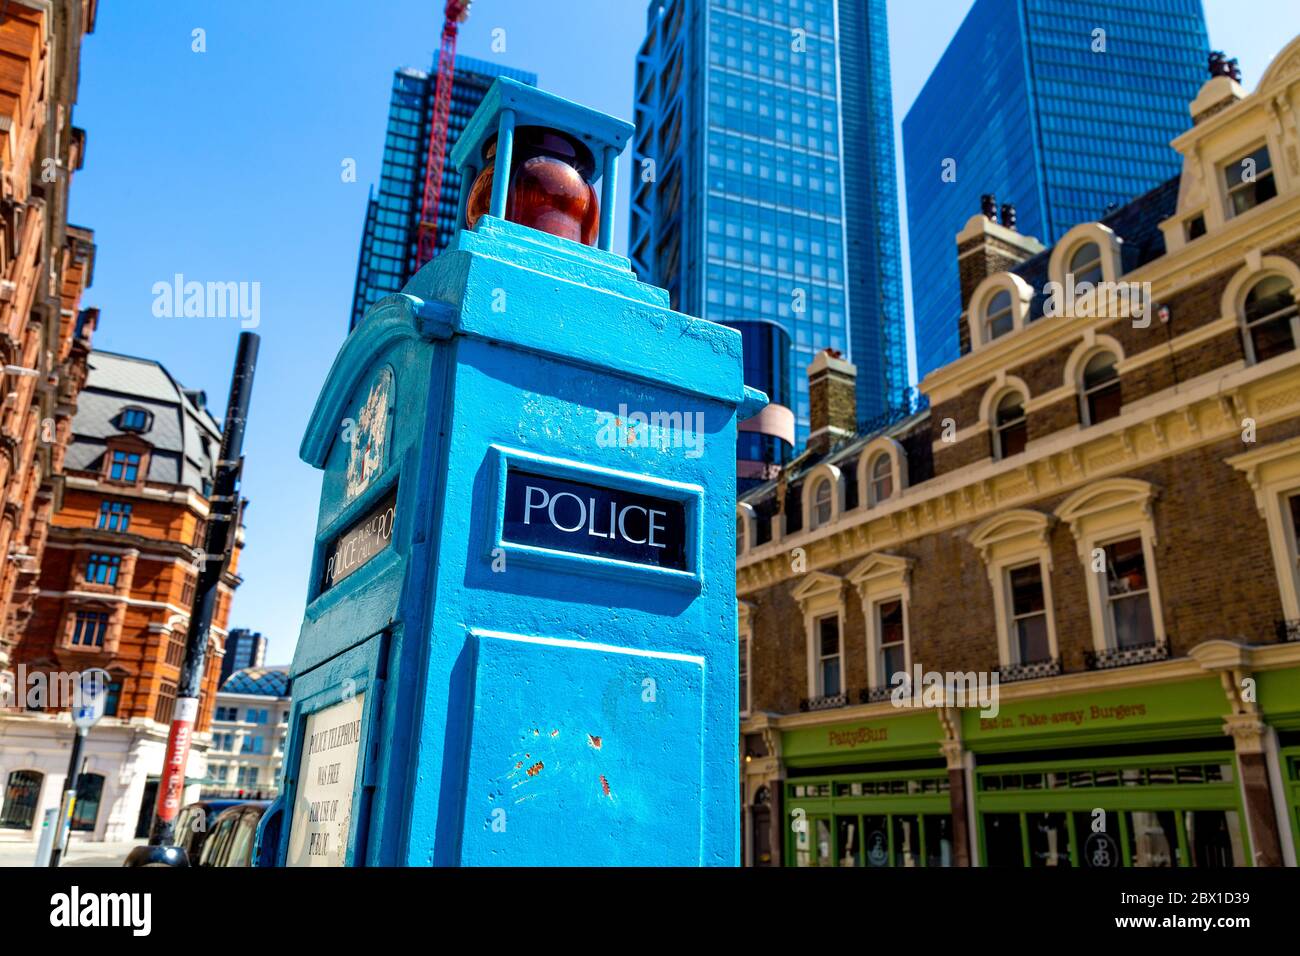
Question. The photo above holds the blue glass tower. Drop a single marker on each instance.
(1011, 109)
(391, 234)
(763, 180)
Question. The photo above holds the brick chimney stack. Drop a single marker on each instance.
(832, 400)
(984, 247)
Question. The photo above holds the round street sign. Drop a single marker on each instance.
(92, 695)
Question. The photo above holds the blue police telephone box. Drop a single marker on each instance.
(519, 645)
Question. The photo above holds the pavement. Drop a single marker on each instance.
(79, 854)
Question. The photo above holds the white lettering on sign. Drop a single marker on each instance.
(587, 514)
(322, 806)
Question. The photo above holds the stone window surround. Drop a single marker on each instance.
(882, 577)
(1010, 540)
(1022, 293)
(749, 522)
(1002, 386)
(132, 446)
(1257, 267)
(816, 475)
(1108, 244)
(1274, 474)
(112, 635)
(821, 595)
(745, 630)
(1089, 346)
(882, 445)
(1102, 512)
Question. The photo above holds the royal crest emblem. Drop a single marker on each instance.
(370, 436)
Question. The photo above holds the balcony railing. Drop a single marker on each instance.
(1288, 631)
(1126, 656)
(874, 695)
(823, 703)
(1028, 670)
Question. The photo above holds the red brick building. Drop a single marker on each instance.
(45, 265)
(116, 589)
(1051, 620)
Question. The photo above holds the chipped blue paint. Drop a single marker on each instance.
(526, 705)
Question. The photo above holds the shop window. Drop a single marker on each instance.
(124, 466)
(22, 791)
(1002, 840)
(1128, 596)
(114, 516)
(1102, 398)
(1029, 614)
(1049, 839)
(89, 628)
(938, 839)
(1213, 838)
(848, 841)
(1249, 181)
(1010, 427)
(907, 840)
(90, 790)
(1097, 839)
(103, 568)
(1153, 838)
(1271, 318)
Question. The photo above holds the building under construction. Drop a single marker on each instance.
(390, 242)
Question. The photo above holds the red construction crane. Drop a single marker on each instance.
(454, 14)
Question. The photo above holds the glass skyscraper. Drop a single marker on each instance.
(764, 183)
(1014, 108)
(389, 241)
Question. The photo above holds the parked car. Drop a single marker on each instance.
(233, 835)
(197, 825)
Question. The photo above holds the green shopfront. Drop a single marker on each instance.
(1142, 775)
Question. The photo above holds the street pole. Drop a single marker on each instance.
(223, 511)
(69, 795)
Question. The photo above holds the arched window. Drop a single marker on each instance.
(22, 791)
(822, 503)
(882, 478)
(1085, 264)
(90, 789)
(1009, 426)
(1270, 317)
(1101, 389)
(998, 318)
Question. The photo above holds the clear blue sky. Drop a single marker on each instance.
(225, 166)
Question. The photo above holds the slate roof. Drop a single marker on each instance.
(1136, 223)
(177, 432)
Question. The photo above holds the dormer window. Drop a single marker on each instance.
(1011, 430)
(1250, 181)
(822, 503)
(1085, 264)
(132, 419)
(124, 466)
(1195, 227)
(1271, 318)
(882, 478)
(998, 318)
